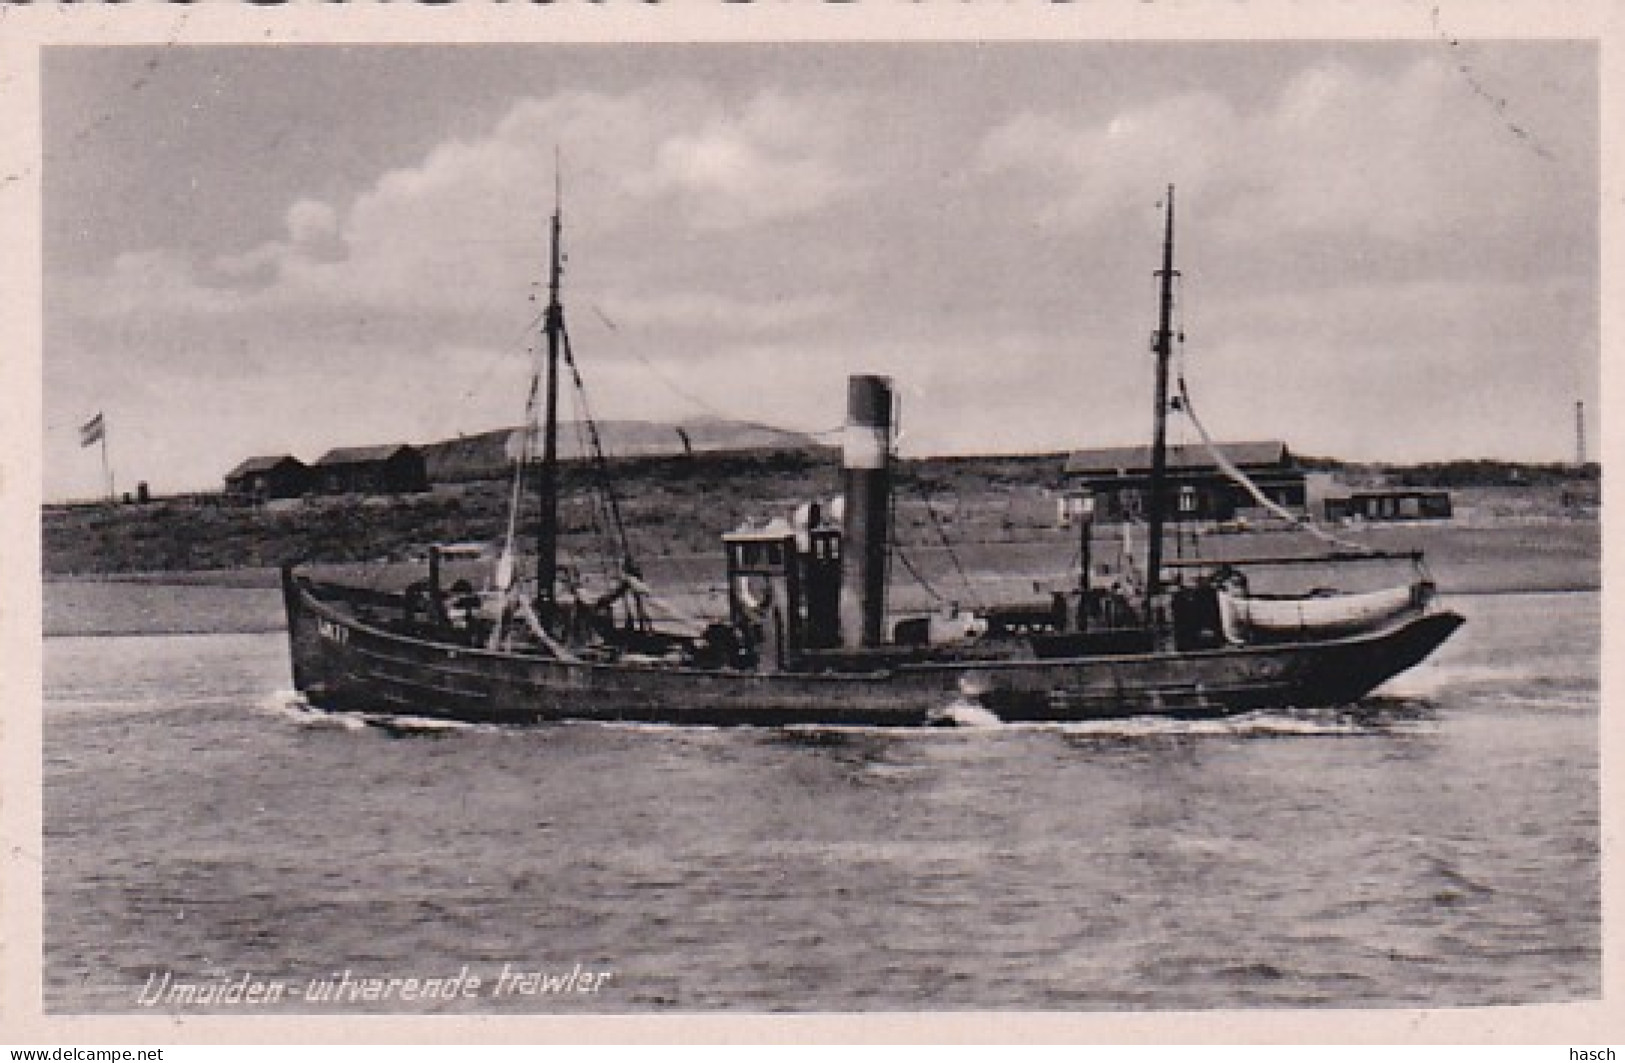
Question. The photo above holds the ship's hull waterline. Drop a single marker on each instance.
(343, 664)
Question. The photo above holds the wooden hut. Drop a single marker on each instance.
(264, 478)
(1394, 504)
(391, 469)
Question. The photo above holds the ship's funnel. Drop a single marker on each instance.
(866, 520)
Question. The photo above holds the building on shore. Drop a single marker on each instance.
(1118, 479)
(390, 469)
(263, 479)
(1391, 504)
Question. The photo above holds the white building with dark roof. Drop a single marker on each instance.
(1198, 489)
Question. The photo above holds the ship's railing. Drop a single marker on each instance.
(1295, 559)
(352, 595)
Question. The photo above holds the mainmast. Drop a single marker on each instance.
(547, 533)
(1162, 343)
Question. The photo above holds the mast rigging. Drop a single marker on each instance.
(1162, 344)
(547, 535)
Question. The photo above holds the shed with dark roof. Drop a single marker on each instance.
(273, 476)
(390, 469)
(1396, 504)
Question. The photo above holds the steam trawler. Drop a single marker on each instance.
(808, 638)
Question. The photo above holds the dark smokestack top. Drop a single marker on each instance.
(868, 401)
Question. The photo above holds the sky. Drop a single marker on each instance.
(1388, 250)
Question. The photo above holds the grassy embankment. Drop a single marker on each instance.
(673, 508)
(976, 529)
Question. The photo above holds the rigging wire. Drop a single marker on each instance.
(947, 544)
(498, 354)
(936, 595)
(527, 442)
(1182, 402)
(597, 444)
(1229, 468)
(694, 400)
(672, 385)
(1182, 532)
(891, 498)
(629, 565)
(597, 515)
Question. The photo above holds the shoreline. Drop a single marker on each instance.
(1466, 562)
(1469, 556)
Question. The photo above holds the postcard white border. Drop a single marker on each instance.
(24, 30)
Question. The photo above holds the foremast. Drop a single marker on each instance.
(1162, 343)
(550, 621)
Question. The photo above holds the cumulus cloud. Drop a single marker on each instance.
(312, 236)
(1366, 231)
(1093, 171)
(1336, 151)
(777, 157)
(465, 229)
(312, 224)
(444, 257)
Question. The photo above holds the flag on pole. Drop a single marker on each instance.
(92, 431)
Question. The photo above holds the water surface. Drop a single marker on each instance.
(1439, 846)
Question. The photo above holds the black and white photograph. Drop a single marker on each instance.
(1075, 524)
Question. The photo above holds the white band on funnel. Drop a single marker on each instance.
(863, 446)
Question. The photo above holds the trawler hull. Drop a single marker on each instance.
(342, 663)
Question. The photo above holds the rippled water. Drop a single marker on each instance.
(1437, 847)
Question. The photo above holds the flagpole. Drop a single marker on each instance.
(107, 470)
